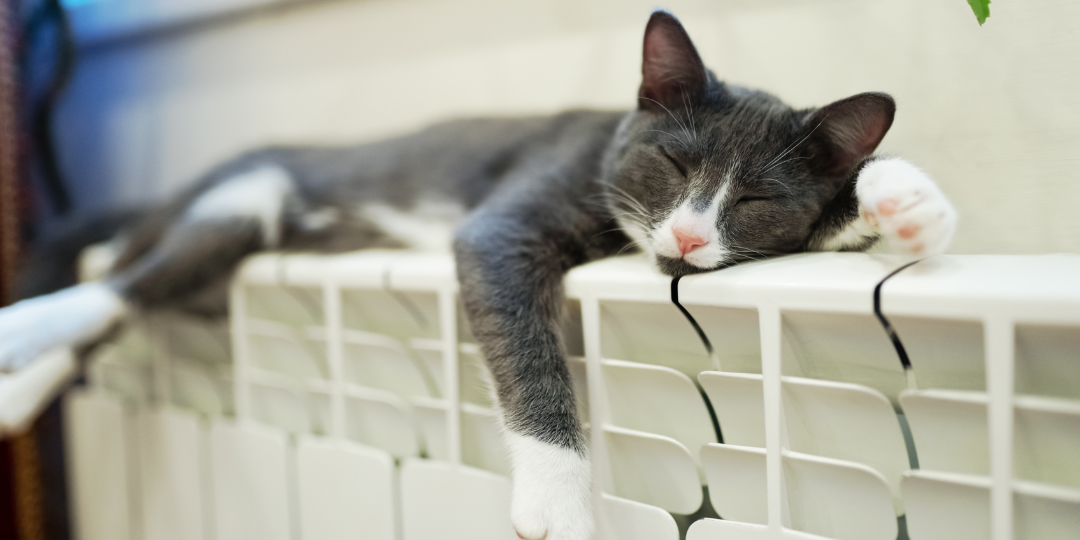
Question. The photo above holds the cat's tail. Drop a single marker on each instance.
(53, 260)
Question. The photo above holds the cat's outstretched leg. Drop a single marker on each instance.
(904, 206)
(891, 200)
(206, 240)
(71, 317)
(551, 489)
(511, 258)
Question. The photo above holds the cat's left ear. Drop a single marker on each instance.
(671, 69)
(845, 132)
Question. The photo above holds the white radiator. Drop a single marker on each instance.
(356, 407)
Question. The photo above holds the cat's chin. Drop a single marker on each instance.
(679, 267)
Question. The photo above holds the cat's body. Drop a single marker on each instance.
(412, 191)
(701, 175)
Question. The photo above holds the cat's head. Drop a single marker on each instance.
(704, 174)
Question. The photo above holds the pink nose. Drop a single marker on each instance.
(687, 241)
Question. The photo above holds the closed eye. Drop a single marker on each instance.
(675, 162)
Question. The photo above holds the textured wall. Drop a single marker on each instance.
(990, 112)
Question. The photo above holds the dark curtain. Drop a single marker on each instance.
(33, 498)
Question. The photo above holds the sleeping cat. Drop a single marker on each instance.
(700, 175)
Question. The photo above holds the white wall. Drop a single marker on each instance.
(990, 111)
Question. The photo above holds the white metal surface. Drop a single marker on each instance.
(948, 506)
(652, 469)
(825, 418)
(360, 363)
(950, 428)
(252, 471)
(172, 455)
(101, 459)
(837, 499)
(657, 400)
(630, 519)
(440, 500)
(345, 491)
(736, 477)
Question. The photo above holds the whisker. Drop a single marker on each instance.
(766, 253)
(611, 197)
(632, 245)
(637, 224)
(680, 141)
(633, 215)
(623, 229)
(611, 203)
(689, 112)
(793, 146)
(683, 126)
(633, 206)
(747, 255)
(785, 186)
(629, 199)
(788, 160)
(743, 256)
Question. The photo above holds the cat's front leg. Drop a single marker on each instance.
(511, 272)
(905, 207)
(551, 490)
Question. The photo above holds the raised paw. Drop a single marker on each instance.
(906, 207)
(551, 495)
(70, 317)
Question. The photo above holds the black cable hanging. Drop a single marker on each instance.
(901, 352)
(697, 328)
(888, 327)
(708, 348)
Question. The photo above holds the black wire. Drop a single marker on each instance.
(697, 328)
(889, 330)
(708, 348)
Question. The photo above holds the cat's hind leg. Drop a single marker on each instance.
(237, 217)
(72, 316)
(200, 246)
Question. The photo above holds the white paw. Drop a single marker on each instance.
(69, 317)
(906, 207)
(552, 491)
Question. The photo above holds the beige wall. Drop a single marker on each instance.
(991, 112)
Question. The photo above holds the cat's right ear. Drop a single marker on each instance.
(671, 69)
(845, 132)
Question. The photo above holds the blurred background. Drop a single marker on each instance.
(160, 90)
(163, 89)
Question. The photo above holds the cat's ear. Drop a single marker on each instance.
(845, 132)
(670, 68)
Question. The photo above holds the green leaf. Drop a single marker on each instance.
(981, 9)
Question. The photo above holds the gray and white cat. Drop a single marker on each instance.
(701, 175)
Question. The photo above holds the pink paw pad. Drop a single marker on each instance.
(908, 231)
(887, 207)
(870, 218)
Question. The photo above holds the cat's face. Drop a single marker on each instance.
(705, 174)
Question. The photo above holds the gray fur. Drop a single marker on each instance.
(545, 194)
